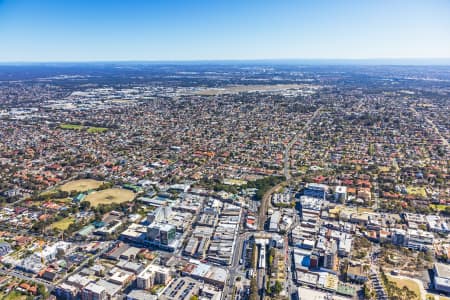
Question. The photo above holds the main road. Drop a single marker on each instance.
(11, 272)
(287, 174)
(234, 269)
(295, 139)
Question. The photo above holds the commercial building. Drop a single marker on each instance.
(442, 277)
(210, 274)
(159, 235)
(181, 288)
(274, 221)
(315, 190)
(93, 292)
(153, 274)
(340, 194)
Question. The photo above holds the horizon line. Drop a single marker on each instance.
(359, 61)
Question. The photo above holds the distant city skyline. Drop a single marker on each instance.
(76, 31)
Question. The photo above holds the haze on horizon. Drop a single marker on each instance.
(51, 30)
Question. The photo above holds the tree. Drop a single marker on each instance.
(42, 290)
(85, 205)
(268, 288)
(105, 185)
(366, 291)
(278, 287)
(271, 256)
(91, 262)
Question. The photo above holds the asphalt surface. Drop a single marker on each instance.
(235, 269)
(50, 286)
(294, 140)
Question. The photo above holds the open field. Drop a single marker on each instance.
(97, 129)
(232, 181)
(81, 127)
(439, 207)
(417, 191)
(71, 126)
(108, 196)
(49, 194)
(81, 185)
(63, 224)
(409, 283)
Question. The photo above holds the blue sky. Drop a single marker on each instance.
(91, 30)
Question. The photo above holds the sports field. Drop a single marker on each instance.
(108, 196)
(81, 185)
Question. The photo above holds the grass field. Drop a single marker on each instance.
(63, 224)
(14, 295)
(81, 127)
(81, 185)
(50, 194)
(438, 206)
(232, 181)
(417, 191)
(97, 129)
(410, 284)
(71, 126)
(108, 196)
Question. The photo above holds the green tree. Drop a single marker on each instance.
(278, 287)
(91, 262)
(42, 290)
(84, 205)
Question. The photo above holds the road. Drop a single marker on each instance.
(234, 269)
(266, 198)
(14, 204)
(263, 208)
(431, 123)
(376, 206)
(86, 261)
(50, 286)
(295, 139)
